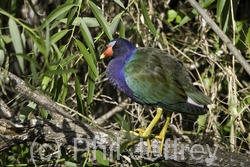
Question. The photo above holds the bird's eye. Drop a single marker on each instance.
(116, 46)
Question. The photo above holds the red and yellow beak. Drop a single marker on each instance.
(107, 53)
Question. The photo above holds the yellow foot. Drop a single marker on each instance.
(139, 132)
(147, 132)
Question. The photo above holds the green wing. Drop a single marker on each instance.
(157, 78)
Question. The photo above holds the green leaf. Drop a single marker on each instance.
(248, 37)
(65, 8)
(5, 38)
(17, 42)
(59, 35)
(239, 26)
(57, 88)
(119, 3)
(101, 158)
(27, 110)
(90, 43)
(86, 34)
(100, 18)
(44, 113)
(2, 57)
(59, 51)
(91, 86)
(78, 92)
(90, 21)
(172, 14)
(45, 82)
(70, 164)
(123, 123)
(147, 19)
(65, 88)
(135, 163)
(89, 163)
(224, 21)
(87, 57)
(71, 15)
(67, 60)
(178, 19)
(39, 42)
(31, 60)
(201, 123)
(60, 71)
(206, 3)
(47, 43)
(115, 23)
(122, 29)
(219, 8)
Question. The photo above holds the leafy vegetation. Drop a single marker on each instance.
(55, 46)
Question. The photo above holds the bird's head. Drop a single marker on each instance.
(118, 47)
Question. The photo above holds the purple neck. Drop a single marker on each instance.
(116, 77)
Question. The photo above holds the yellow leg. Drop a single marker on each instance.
(153, 122)
(163, 131)
(148, 130)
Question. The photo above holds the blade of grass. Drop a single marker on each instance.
(248, 38)
(224, 19)
(59, 35)
(2, 57)
(120, 3)
(67, 60)
(57, 88)
(91, 86)
(47, 43)
(78, 91)
(65, 8)
(219, 8)
(87, 57)
(147, 19)
(39, 42)
(122, 29)
(88, 40)
(101, 158)
(115, 23)
(71, 15)
(100, 18)
(65, 88)
(17, 42)
(89, 21)
(86, 34)
(60, 71)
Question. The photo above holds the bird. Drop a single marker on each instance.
(153, 77)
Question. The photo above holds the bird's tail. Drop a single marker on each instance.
(185, 108)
